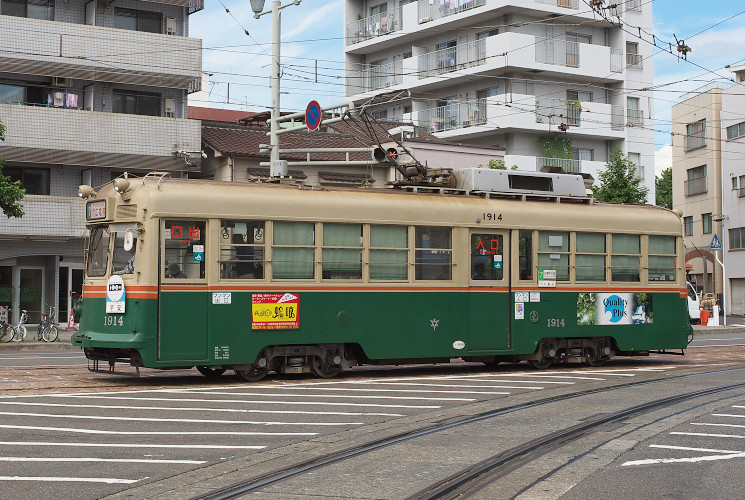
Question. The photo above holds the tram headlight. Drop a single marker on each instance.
(121, 185)
(85, 191)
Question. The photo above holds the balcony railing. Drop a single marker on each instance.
(555, 51)
(557, 111)
(634, 61)
(742, 192)
(695, 186)
(376, 77)
(462, 56)
(634, 117)
(616, 60)
(567, 4)
(616, 118)
(373, 26)
(695, 141)
(430, 10)
(569, 166)
(453, 116)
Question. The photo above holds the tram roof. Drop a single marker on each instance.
(232, 200)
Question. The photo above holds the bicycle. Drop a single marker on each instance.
(47, 330)
(19, 331)
(6, 332)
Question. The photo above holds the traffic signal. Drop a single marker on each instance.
(392, 153)
(381, 155)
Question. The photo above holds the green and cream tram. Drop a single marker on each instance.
(271, 277)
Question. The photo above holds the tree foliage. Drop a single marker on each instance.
(10, 192)
(618, 181)
(663, 188)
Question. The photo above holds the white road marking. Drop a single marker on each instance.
(717, 345)
(134, 445)
(707, 338)
(177, 391)
(28, 358)
(226, 410)
(418, 391)
(488, 381)
(107, 480)
(155, 433)
(724, 455)
(108, 460)
(249, 401)
(451, 385)
(702, 434)
(727, 415)
(688, 448)
(187, 420)
(721, 425)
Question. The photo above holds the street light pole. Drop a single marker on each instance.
(257, 6)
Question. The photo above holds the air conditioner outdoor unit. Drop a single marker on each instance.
(170, 25)
(170, 106)
(61, 82)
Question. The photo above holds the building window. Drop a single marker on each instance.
(389, 254)
(138, 20)
(688, 225)
(737, 238)
(583, 154)
(485, 34)
(136, 104)
(33, 180)
(634, 115)
(380, 114)
(662, 258)
(633, 58)
(735, 131)
(734, 183)
(706, 220)
(695, 135)
(697, 182)
(553, 253)
(34, 9)
(488, 92)
(433, 253)
(626, 250)
(590, 257)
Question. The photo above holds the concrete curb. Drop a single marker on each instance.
(63, 343)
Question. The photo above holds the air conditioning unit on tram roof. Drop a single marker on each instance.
(520, 182)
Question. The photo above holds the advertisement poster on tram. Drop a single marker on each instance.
(275, 311)
(614, 308)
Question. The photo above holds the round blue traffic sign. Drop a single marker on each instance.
(313, 115)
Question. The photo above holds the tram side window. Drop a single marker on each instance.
(590, 257)
(241, 249)
(553, 253)
(433, 253)
(123, 261)
(662, 258)
(389, 254)
(342, 252)
(625, 257)
(293, 250)
(486, 257)
(184, 250)
(97, 255)
(526, 255)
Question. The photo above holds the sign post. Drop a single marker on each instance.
(716, 247)
(313, 115)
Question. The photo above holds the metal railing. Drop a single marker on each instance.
(555, 51)
(567, 4)
(616, 60)
(634, 117)
(429, 10)
(695, 140)
(462, 56)
(634, 61)
(742, 192)
(375, 77)
(694, 186)
(557, 111)
(569, 166)
(453, 116)
(616, 118)
(373, 26)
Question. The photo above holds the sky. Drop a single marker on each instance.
(312, 54)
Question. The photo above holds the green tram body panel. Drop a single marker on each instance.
(387, 325)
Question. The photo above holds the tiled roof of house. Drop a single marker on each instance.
(219, 115)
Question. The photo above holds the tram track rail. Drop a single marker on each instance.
(486, 470)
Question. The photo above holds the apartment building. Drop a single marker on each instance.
(89, 89)
(550, 81)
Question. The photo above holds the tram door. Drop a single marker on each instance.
(489, 294)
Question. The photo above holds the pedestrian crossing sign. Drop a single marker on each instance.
(715, 243)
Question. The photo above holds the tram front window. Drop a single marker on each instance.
(97, 255)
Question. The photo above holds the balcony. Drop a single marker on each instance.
(556, 51)
(453, 116)
(374, 26)
(55, 218)
(634, 117)
(695, 186)
(462, 56)
(95, 53)
(558, 111)
(430, 10)
(634, 61)
(616, 60)
(616, 121)
(695, 141)
(567, 4)
(569, 166)
(73, 136)
(376, 77)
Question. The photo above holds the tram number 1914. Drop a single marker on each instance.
(555, 323)
(487, 216)
(111, 320)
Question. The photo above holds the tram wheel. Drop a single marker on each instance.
(540, 364)
(321, 370)
(593, 358)
(210, 372)
(253, 375)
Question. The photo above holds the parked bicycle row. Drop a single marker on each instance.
(47, 330)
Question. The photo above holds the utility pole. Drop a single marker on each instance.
(258, 8)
